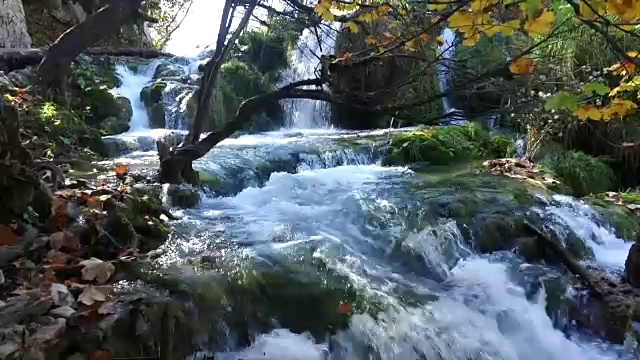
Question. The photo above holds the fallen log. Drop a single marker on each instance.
(13, 59)
(616, 302)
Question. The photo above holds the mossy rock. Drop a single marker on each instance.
(157, 117)
(439, 145)
(625, 223)
(167, 70)
(152, 94)
(209, 180)
(183, 196)
(114, 126)
(496, 232)
(581, 173)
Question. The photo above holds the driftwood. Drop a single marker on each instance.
(617, 303)
(14, 59)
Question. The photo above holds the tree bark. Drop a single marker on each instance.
(13, 26)
(58, 58)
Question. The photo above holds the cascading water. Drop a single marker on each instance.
(131, 84)
(447, 51)
(290, 200)
(305, 60)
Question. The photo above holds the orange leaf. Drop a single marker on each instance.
(121, 169)
(94, 202)
(20, 91)
(344, 308)
(440, 41)
(101, 355)
(7, 236)
(64, 239)
(425, 37)
(124, 188)
(522, 66)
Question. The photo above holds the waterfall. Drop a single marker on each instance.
(448, 50)
(131, 85)
(305, 60)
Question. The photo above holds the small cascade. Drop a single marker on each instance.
(131, 84)
(305, 113)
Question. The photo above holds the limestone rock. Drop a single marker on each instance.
(66, 11)
(13, 25)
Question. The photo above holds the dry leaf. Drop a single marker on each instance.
(64, 239)
(92, 294)
(94, 202)
(7, 236)
(121, 169)
(96, 269)
(100, 355)
(57, 258)
(61, 295)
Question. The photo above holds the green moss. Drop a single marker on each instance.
(625, 223)
(243, 81)
(152, 94)
(580, 172)
(439, 145)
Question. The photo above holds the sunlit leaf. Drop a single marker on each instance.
(598, 88)
(541, 24)
(521, 66)
(562, 101)
(587, 111)
(352, 26)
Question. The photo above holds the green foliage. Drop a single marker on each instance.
(266, 50)
(94, 72)
(625, 223)
(562, 100)
(582, 173)
(502, 146)
(244, 81)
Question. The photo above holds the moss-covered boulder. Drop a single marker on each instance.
(439, 145)
(183, 196)
(625, 223)
(167, 70)
(152, 94)
(114, 126)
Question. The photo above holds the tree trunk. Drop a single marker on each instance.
(69, 45)
(13, 26)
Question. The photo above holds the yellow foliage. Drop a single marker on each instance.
(522, 66)
(383, 9)
(436, 7)
(323, 9)
(353, 27)
(479, 5)
(371, 40)
(617, 108)
(587, 111)
(541, 24)
(471, 40)
(627, 10)
(370, 16)
(587, 8)
(461, 21)
(440, 41)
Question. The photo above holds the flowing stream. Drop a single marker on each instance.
(322, 224)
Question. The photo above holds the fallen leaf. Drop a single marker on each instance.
(522, 66)
(59, 215)
(344, 308)
(100, 355)
(7, 236)
(61, 295)
(92, 294)
(121, 169)
(96, 269)
(94, 202)
(64, 239)
(63, 312)
(56, 257)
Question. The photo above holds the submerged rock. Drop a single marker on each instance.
(183, 196)
(157, 117)
(632, 266)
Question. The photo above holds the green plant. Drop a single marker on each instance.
(582, 173)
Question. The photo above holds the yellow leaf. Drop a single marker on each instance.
(323, 9)
(587, 8)
(371, 40)
(440, 41)
(471, 40)
(540, 25)
(412, 45)
(384, 9)
(479, 5)
(461, 20)
(425, 37)
(353, 27)
(617, 108)
(626, 66)
(584, 112)
(522, 66)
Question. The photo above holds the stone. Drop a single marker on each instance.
(66, 11)
(22, 307)
(12, 342)
(166, 70)
(114, 126)
(13, 25)
(183, 196)
(8, 254)
(21, 78)
(632, 266)
(126, 109)
(157, 117)
(64, 312)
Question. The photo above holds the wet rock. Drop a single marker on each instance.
(64, 312)
(152, 94)
(632, 266)
(497, 232)
(44, 334)
(20, 308)
(8, 254)
(182, 196)
(117, 146)
(125, 107)
(11, 342)
(166, 70)
(157, 117)
(113, 126)
(21, 78)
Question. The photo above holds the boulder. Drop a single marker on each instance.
(157, 117)
(632, 266)
(183, 196)
(152, 94)
(113, 126)
(167, 70)
(125, 108)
